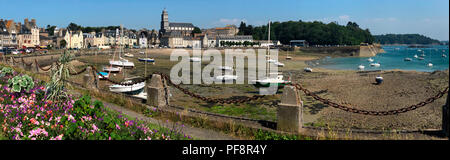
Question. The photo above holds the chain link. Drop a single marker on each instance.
(374, 113)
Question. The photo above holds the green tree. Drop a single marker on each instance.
(196, 30)
(62, 44)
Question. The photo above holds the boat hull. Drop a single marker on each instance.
(265, 85)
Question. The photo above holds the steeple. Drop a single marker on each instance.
(164, 21)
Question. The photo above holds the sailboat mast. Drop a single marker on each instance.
(268, 52)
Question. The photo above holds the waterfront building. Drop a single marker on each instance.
(8, 33)
(28, 35)
(175, 35)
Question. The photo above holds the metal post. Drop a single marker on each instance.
(289, 111)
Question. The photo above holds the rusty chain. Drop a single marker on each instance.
(45, 70)
(77, 73)
(207, 99)
(374, 113)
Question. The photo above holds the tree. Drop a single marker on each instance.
(50, 30)
(196, 30)
(62, 43)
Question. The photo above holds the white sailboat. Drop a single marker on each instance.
(121, 62)
(268, 81)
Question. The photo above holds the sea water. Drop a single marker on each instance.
(394, 58)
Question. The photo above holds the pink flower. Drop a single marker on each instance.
(117, 127)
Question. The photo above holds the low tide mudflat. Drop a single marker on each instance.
(399, 89)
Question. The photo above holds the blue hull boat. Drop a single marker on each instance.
(146, 59)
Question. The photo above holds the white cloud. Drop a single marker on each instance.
(225, 21)
(344, 18)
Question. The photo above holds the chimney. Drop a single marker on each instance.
(33, 22)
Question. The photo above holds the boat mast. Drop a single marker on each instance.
(268, 52)
(121, 48)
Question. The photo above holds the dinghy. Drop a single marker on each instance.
(408, 59)
(379, 80)
(430, 64)
(370, 60)
(103, 75)
(415, 56)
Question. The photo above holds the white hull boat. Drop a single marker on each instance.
(361, 67)
(225, 78)
(128, 55)
(122, 63)
(408, 59)
(370, 60)
(146, 59)
(112, 69)
(225, 68)
(195, 59)
(430, 64)
(307, 69)
(375, 64)
(133, 89)
(415, 56)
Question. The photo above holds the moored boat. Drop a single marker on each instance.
(146, 59)
(112, 69)
(128, 89)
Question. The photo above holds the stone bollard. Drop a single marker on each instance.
(289, 111)
(87, 80)
(156, 95)
(446, 118)
(12, 61)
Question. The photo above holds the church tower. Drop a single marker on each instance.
(164, 21)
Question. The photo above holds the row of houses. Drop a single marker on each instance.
(19, 35)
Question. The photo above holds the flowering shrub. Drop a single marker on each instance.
(19, 83)
(28, 116)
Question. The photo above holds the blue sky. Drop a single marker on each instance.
(427, 17)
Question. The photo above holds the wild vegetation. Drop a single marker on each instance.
(404, 39)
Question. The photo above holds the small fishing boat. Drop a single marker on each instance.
(307, 69)
(146, 59)
(195, 59)
(279, 64)
(370, 60)
(288, 58)
(430, 64)
(379, 80)
(408, 59)
(141, 52)
(443, 55)
(415, 56)
(128, 55)
(361, 67)
(421, 58)
(225, 78)
(128, 89)
(112, 69)
(103, 75)
(375, 64)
